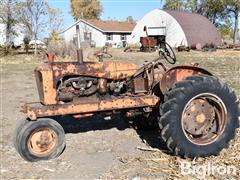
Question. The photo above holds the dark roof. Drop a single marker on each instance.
(197, 28)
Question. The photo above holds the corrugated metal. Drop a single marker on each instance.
(197, 28)
(164, 24)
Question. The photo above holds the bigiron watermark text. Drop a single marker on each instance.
(206, 169)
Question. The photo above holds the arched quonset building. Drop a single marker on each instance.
(180, 28)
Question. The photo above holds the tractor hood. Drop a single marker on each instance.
(116, 70)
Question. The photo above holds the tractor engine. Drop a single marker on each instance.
(85, 86)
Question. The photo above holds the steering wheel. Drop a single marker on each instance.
(167, 52)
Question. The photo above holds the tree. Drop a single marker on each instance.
(174, 5)
(25, 18)
(38, 15)
(33, 16)
(8, 17)
(55, 21)
(225, 29)
(130, 19)
(86, 9)
(194, 6)
(213, 10)
(233, 7)
(55, 36)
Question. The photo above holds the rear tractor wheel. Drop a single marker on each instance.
(43, 139)
(199, 116)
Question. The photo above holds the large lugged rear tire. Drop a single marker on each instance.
(43, 139)
(199, 116)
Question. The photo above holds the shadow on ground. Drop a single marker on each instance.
(72, 125)
(93, 123)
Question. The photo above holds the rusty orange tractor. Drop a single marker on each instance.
(196, 113)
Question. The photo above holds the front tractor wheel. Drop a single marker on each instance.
(199, 116)
(43, 139)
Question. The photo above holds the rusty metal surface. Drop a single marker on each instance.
(45, 84)
(114, 70)
(49, 74)
(35, 110)
(204, 119)
(42, 141)
(198, 117)
(80, 56)
(140, 85)
(111, 77)
(179, 73)
(102, 86)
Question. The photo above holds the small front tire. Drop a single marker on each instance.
(43, 139)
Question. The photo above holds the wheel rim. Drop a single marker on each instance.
(204, 119)
(42, 141)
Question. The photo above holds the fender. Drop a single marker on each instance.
(178, 73)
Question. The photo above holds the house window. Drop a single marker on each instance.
(87, 36)
(109, 37)
(123, 37)
(74, 40)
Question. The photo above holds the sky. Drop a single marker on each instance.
(113, 9)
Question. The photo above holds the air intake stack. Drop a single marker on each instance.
(79, 49)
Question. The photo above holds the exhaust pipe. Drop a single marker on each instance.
(79, 49)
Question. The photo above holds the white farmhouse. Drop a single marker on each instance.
(100, 32)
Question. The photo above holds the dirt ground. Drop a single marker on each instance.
(105, 149)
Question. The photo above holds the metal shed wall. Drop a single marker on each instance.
(182, 28)
(157, 18)
(197, 28)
